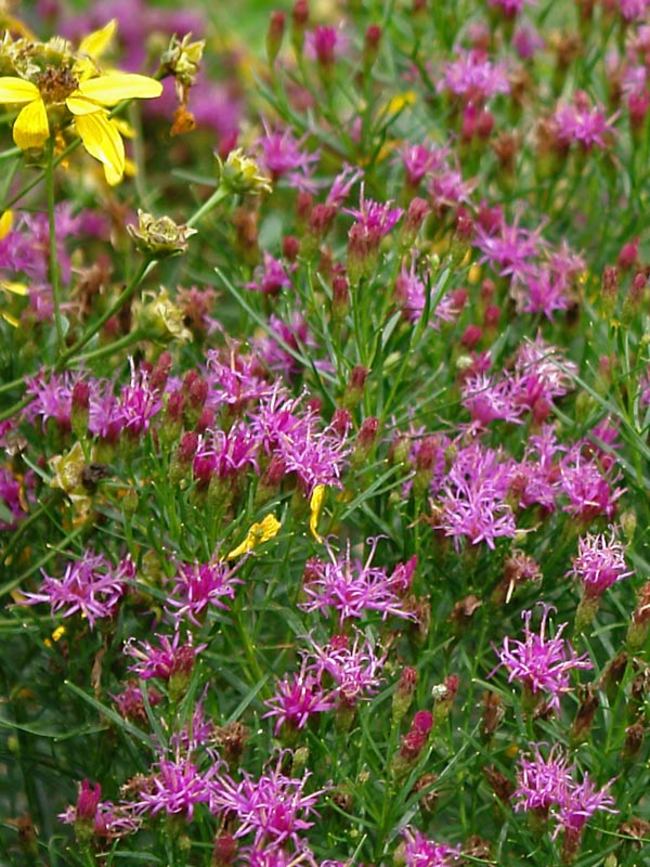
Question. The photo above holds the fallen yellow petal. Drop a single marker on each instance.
(315, 507)
(32, 128)
(14, 288)
(9, 318)
(257, 535)
(102, 141)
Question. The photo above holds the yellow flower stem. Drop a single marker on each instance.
(55, 273)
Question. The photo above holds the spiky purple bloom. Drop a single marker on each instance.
(355, 670)
(410, 293)
(107, 820)
(52, 398)
(175, 788)
(580, 803)
(509, 249)
(342, 184)
(351, 587)
(275, 808)
(633, 10)
(421, 851)
(474, 78)
(541, 291)
(225, 454)
(170, 657)
(271, 278)
(473, 498)
(283, 155)
(542, 783)
(374, 219)
(542, 373)
(138, 402)
(421, 160)
(235, 378)
(599, 563)
(540, 662)
(582, 124)
(489, 399)
(326, 44)
(448, 188)
(91, 586)
(12, 497)
(509, 8)
(297, 698)
(588, 491)
(198, 586)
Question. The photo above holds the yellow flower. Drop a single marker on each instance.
(258, 533)
(315, 507)
(87, 94)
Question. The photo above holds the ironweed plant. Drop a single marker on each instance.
(324, 424)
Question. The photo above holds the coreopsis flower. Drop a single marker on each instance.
(240, 174)
(297, 698)
(91, 586)
(474, 78)
(176, 788)
(274, 808)
(159, 236)
(542, 663)
(355, 670)
(199, 586)
(351, 587)
(421, 851)
(258, 534)
(600, 562)
(170, 657)
(77, 86)
(93, 817)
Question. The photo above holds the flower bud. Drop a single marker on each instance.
(159, 236)
(240, 174)
(182, 59)
(275, 35)
(403, 695)
(160, 319)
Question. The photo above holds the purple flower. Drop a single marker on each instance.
(474, 78)
(170, 657)
(542, 373)
(326, 44)
(410, 293)
(225, 454)
(175, 788)
(509, 249)
(275, 807)
(588, 491)
(138, 402)
(581, 802)
(447, 189)
(342, 184)
(236, 379)
(52, 399)
(421, 160)
(527, 41)
(108, 820)
(351, 587)
(541, 663)
(420, 851)
(600, 562)
(473, 498)
(542, 783)
(509, 8)
(272, 278)
(91, 586)
(355, 670)
(200, 585)
(581, 124)
(297, 698)
(489, 399)
(540, 291)
(282, 155)
(12, 497)
(374, 219)
(633, 10)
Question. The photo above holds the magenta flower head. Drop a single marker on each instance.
(540, 662)
(420, 851)
(355, 671)
(199, 586)
(297, 698)
(600, 562)
(171, 656)
(91, 587)
(421, 160)
(473, 78)
(326, 44)
(93, 817)
(274, 808)
(581, 801)
(283, 156)
(542, 783)
(271, 278)
(582, 124)
(175, 788)
(351, 587)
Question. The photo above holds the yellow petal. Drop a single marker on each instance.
(9, 318)
(14, 288)
(6, 223)
(258, 533)
(102, 141)
(124, 127)
(115, 86)
(78, 104)
(31, 128)
(17, 90)
(315, 507)
(96, 43)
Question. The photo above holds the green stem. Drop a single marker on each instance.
(219, 195)
(55, 274)
(116, 346)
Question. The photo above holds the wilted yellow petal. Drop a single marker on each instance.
(115, 86)
(315, 507)
(9, 318)
(96, 43)
(6, 223)
(258, 533)
(58, 633)
(102, 141)
(124, 127)
(31, 127)
(14, 288)
(17, 90)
